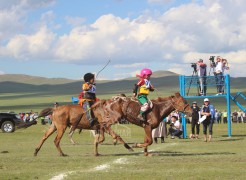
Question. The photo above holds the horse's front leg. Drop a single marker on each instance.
(117, 138)
(96, 142)
(147, 140)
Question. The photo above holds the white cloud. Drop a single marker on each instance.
(75, 21)
(159, 1)
(125, 75)
(36, 45)
(1, 73)
(135, 65)
(182, 34)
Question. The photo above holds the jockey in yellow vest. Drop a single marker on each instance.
(141, 90)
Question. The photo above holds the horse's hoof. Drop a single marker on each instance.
(63, 155)
(130, 150)
(97, 154)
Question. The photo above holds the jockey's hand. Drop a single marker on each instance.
(134, 95)
(152, 89)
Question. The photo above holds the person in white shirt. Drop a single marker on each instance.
(219, 75)
(175, 127)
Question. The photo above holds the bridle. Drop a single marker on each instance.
(176, 103)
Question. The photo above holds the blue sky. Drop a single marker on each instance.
(52, 38)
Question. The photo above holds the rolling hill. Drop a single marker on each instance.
(32, 84)
(21, 92)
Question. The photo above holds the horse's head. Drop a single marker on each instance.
(180, 104)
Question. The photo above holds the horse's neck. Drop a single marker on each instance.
(165, 108)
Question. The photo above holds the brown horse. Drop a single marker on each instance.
(68, 115)
(128, 108)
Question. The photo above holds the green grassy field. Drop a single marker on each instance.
(224, 158)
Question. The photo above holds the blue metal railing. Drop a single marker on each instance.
(192, 87)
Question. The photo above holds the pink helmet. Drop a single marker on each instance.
(145, 71)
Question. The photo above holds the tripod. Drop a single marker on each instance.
(198, 84)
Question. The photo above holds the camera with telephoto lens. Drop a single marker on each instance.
(194, 65)
(172, 124)
(211, 59)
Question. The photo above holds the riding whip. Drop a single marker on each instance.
(103, 68)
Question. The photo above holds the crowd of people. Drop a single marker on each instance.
(210, 114)
(28, 116)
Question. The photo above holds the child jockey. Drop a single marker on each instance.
(141, 90)
(89, 96)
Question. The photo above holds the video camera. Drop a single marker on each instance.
(194, 65)
(212, 63)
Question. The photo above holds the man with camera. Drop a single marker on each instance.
(175, 127)
(202, 73)
(219, 75)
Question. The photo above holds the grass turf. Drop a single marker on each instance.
(224, 158)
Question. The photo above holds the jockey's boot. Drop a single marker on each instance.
(92, 121)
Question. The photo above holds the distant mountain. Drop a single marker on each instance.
(164, 82)
(35, 80)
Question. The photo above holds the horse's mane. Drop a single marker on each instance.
(159, 99)
(98, 103)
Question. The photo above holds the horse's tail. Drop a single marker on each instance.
(46, 112)
(26, 125)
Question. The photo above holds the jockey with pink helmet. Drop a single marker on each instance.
(141, 90)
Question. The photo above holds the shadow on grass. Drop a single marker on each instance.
(237, 135)
(230, 139)
(169, 153)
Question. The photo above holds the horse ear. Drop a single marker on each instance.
(103, 102)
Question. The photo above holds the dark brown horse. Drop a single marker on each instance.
(68, 115)
(128, 108)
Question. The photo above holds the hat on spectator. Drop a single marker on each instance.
(206, 100)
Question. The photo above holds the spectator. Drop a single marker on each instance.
(175, 127)
(195, 121)
(56, 104)
(244, 117)
(22, 116)
(208, 112)
(219, 116)
(160, 131)
(219, 75)
(42, 120)
(224, 114)
(240, 116)
(202, 73)
(26, 118)
(234, 116)
(216, 116)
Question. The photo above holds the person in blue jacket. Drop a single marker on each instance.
(208, 111)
